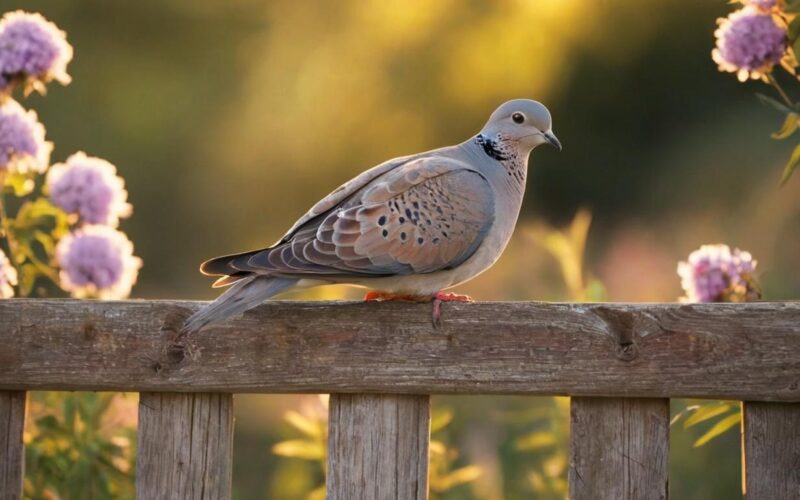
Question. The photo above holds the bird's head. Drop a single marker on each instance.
(522, 121)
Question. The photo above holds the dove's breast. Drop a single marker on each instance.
(508, 191)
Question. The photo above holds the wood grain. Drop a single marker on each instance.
(12, 450)
(378, 447)
(185, 446)
(772, 451)
(721, 351)
(619, 448)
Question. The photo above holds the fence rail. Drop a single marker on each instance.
(380, 362)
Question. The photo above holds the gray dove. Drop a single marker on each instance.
(406, 229)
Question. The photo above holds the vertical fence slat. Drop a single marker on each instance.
(619, 448)
(771, 443)
(12, 450)
(378, 446)
(185, 446)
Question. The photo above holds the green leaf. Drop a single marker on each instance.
(788, 170)
(27, 278)
(20, 184)
(300, 448)
(440, 419)
(704, 413)
(718, 428)
(775, 103)
(789, 126)
(536, 441)
(304, 424)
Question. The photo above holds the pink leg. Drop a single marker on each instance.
(445, 297)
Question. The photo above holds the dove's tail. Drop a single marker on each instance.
(241, 296)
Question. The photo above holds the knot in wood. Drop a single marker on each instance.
(176, 353)
(621, 325)
(627, 351)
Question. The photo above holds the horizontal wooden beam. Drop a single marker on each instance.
(729, 351)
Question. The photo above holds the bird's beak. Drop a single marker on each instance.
(551, 138)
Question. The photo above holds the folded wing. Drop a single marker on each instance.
(426, 215)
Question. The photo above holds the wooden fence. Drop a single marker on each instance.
(620, 363)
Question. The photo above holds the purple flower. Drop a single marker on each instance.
(89, 187)
(97, 261)
(715, 274)
(33, 51)
(22, 144)
(8, 277)
(749, 43)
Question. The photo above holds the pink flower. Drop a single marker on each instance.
(97, 261)
(749, 43)
(715, 274)
(22, 144)
(89, 187)
(33, 51)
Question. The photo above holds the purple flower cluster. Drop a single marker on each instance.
(715, 274)
(749, 43)
(97, 261)
(33, 51)
(8, 277)
(22, 144)
(89, 187)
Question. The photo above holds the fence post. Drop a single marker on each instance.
(12, 450)
(619, 448)
(771, 443)
(185, 446)
(378, 446)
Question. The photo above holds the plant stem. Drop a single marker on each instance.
(780, 90)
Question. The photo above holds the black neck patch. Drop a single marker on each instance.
(490, 147)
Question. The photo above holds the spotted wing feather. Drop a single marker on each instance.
(427, 215)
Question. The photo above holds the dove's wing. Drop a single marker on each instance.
(426, 215)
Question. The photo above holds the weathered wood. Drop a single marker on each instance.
(771, 439)
(723, 351)
(185, 446)
(619, 448)
(378, 447)
(12, 450)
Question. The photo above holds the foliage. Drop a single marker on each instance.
(786, 15)
(72, 450)
(568, 247)
(313, 446)
(728, 415)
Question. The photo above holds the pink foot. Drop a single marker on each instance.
(445, 297)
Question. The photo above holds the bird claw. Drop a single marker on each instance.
(438, 298)
(445, 297)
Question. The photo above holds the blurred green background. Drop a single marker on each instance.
(229, 118)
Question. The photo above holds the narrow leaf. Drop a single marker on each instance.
(535, 441)
(704, 413)
(300, 448)
(441, 419)
(718, 428)
(303, 424)
(774, 103)
(789, 127)
(794, 160)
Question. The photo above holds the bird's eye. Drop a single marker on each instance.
(518, 117)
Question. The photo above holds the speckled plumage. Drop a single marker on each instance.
(414, 225)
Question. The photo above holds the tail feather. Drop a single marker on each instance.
(241, 296)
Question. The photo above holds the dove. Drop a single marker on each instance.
(406, 229)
